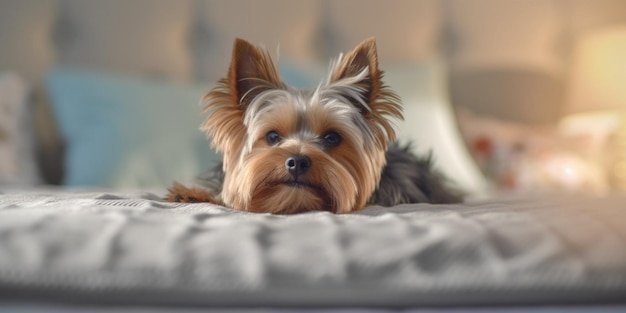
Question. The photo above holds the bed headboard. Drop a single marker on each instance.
(189, 39)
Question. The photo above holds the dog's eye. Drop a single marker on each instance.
(272, 138)
(331, 139)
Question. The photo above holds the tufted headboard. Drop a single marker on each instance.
(190, 39)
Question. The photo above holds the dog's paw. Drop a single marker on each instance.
(180, 193)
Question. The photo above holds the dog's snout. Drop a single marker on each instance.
(297, 164)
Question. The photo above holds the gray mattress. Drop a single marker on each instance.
(133, 249)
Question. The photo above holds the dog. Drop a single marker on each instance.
(330, 148)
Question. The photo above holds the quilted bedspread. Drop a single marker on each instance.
(110, 247)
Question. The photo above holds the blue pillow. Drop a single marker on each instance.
(130, 132)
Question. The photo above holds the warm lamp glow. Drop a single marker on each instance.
(597, 99)
(598, 78)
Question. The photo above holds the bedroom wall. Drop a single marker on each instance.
(507, 59)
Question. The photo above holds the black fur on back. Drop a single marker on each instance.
(405, 179)
(212, 179)
(408, 178)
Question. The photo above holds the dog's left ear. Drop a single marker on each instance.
(363, 57)
(358, 70)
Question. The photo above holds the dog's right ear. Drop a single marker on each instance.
(251, 72)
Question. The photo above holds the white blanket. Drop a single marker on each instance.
(103, 247)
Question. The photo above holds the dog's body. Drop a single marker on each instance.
(288, 150)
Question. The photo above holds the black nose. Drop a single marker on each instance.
(297, 165)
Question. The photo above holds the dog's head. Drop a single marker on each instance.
(288, 150)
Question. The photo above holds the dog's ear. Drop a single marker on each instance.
(358, 75)
(351, 65)
(251, 72)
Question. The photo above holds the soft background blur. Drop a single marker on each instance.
(106, 93)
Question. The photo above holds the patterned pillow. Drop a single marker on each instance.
(524, 157)
(17, 160)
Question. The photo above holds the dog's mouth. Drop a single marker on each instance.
(318, 190)
(301, 184)
(297, 184)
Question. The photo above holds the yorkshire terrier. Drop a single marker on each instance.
(330, 148)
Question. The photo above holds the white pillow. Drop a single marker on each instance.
(430, 124)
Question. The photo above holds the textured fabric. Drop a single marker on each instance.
(132, 248)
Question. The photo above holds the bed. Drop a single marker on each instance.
(100, 248)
